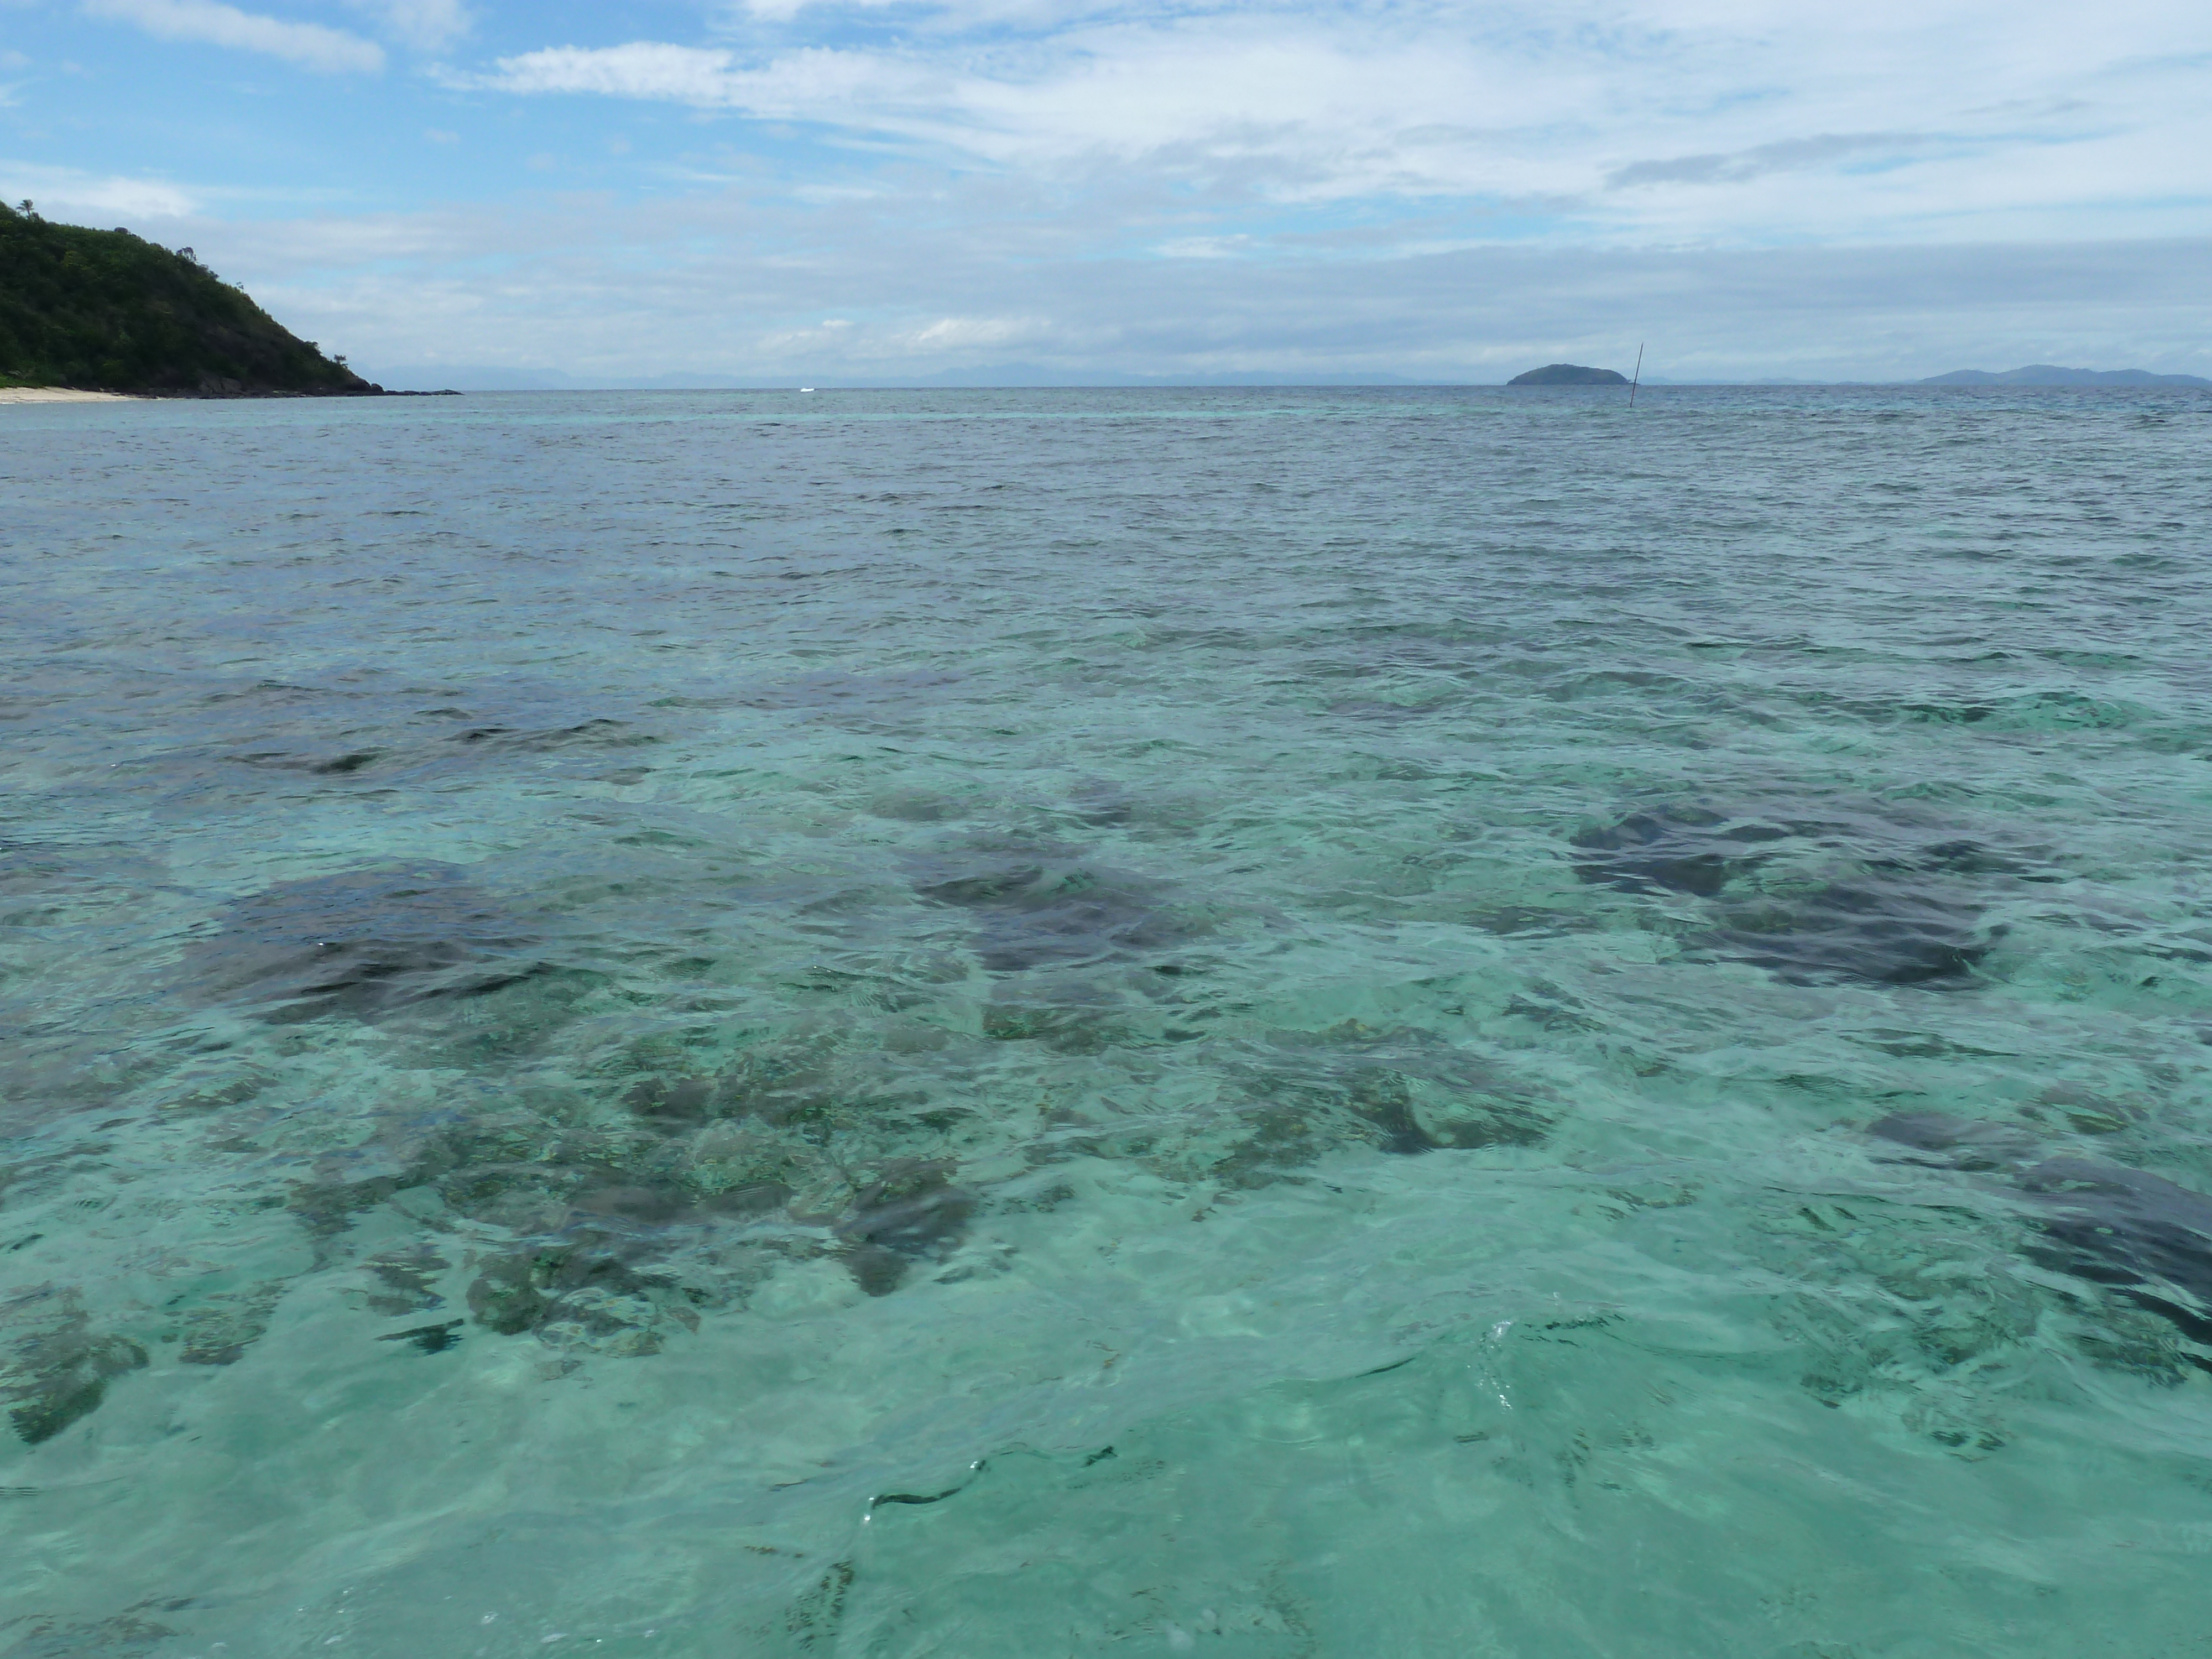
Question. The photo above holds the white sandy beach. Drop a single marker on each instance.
(58, 394)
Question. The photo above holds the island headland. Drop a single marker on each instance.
(2051, 375)
(108, 311)
(1569, 375)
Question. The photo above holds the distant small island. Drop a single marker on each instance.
(1569, 375)
(2051, 375)
(107, 311)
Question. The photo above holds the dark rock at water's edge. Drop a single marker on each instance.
(2050, 375)
(1569, 375)
(107, 311)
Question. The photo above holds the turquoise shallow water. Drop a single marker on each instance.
(1031, 1023)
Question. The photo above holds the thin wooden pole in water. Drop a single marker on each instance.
(1638, 380)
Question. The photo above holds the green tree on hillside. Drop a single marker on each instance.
(107, 311)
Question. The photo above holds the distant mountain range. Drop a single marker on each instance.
(488, 378)
(1771, 380)
(2051, 375)
(2034, 374)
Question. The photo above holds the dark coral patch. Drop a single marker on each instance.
(2140, 1234)
(363, 944)
(1674, 849)
(912, 1214)
(1835, 895)
(1035, 910)
(55, 1367)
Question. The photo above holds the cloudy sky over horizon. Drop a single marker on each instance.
(901, 187)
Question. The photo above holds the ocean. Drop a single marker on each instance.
(1270, 1023)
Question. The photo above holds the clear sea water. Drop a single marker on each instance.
(1046, 1024)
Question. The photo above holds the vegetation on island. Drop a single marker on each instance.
(1569, 375)
(108, 311)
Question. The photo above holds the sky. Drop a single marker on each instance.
(840, 189)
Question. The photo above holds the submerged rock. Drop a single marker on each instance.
(1812, 900)
(1675, 849)
(1885, 931)
(54, 1367)
(429, 1338)
(582, 1290)
(2150, 1238)
(221, 1329)
(912, 1214)
(1404, 1092)
(1957, 1144)
(1035, 911)
(406, 1281)
(362, 944)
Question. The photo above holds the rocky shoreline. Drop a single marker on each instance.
(64, 394)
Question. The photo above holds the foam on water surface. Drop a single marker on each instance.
(972, 1023)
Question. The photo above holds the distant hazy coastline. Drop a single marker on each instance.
(1030, 376)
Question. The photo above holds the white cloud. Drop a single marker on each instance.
(812, 84)
(311, 45)
(67, 193)
(965, 333)
(425, 25)
(643, 68)
(1206, 247)
(1669, 117)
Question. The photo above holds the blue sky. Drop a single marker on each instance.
(903, 187)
